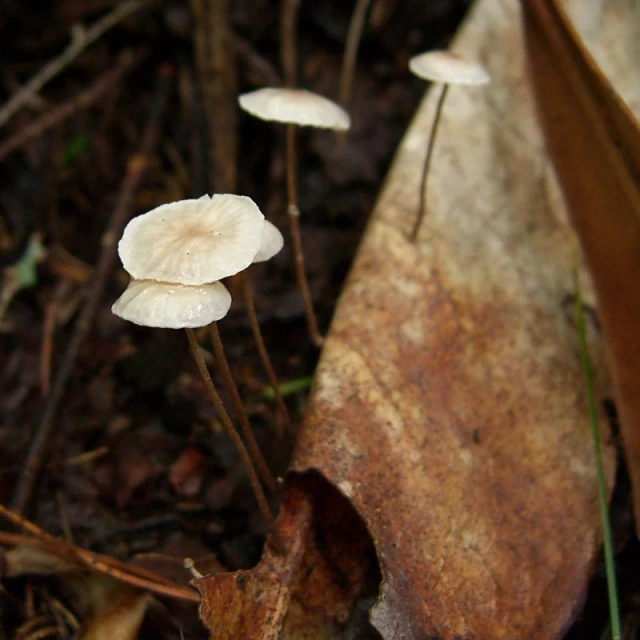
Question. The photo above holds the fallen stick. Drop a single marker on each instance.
(99, 562)
(81, 38)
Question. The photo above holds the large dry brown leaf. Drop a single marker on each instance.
(594, 140)
(449, 402)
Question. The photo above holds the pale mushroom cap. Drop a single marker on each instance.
(172, 306)
(447, 67)
(272, 243)
(295, 106)
(193, 241)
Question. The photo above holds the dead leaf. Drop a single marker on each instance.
(253, 604)
(187, 472)
(109, 609)
(594, 141)
(449, 402)
(317, 565)
(34, 559)
(23, 274)
(117, 610)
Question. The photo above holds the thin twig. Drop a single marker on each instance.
(257, 64)
(136, 169)
(238, 407)
(354, 36)
(288, 41)
(222, 108)
(82, 100)
(97, 563)
(81, 38)
(27, 525)
(262, 349)
(193, 90)
(215, 56)
(229, 428)
(46, 350)
(130, 574)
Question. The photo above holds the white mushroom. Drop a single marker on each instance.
(177, 254)
(448, 68)
(272, 243)
(295, 106)
(172, 306)
(193, 242)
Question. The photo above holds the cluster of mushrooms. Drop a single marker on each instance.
(178, 253)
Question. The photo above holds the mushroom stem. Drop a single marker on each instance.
(229, 428)
(422, 208)
(247, 290)
(236, 400)
(294, 224)
(292, 167)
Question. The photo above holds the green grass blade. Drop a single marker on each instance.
(609, 561)
(288, 388)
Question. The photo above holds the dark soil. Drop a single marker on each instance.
(156, 479)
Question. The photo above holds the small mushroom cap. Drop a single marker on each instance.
(193, 241)
(295, 106)
(272, 243)
(172, 306)
(447, 67)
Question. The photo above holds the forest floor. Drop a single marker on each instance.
(137, 464)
